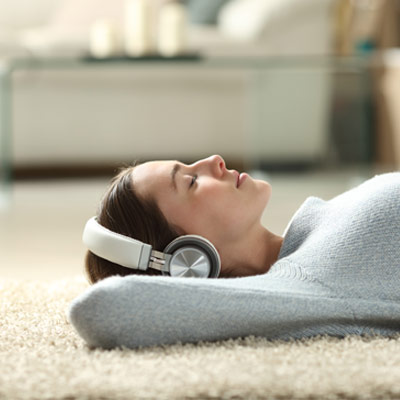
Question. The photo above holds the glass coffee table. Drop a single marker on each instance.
(256, 67)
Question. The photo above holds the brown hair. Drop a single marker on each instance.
(122, 210)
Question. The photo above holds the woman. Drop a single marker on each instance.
(156, 202)
(335, 271)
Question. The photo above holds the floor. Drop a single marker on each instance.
(41, 224)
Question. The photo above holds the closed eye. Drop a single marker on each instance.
(193, 181)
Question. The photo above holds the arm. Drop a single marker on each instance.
(138, 311)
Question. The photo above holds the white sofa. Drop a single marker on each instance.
(102, 115)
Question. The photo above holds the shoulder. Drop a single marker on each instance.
(387, 184)
(390, 178)
(374, 188)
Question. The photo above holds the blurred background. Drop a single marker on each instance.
(302, 93)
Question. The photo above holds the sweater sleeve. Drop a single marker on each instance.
(140, 311)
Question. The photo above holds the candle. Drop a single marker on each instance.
(137, 27)
(103, 39)
(172, 29)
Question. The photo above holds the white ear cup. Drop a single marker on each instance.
(193, 256)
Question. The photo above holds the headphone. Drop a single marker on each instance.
(186, 256)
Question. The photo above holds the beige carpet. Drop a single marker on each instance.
(41, 357)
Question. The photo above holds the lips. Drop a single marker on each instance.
(242, 178)
(237, 175)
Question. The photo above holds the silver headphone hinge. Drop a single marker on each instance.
(159, 261)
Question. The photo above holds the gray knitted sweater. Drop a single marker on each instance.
(338, 273)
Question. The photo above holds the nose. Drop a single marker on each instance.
(215, 164)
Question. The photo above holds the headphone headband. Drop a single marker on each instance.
(112, 246)
(188, 255)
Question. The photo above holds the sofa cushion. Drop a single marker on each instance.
(20, 14)
(295, 25)
(204, 11)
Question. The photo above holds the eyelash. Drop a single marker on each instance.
(193, 180)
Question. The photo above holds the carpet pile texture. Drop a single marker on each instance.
(42, 357)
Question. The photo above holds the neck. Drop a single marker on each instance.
(253, 255)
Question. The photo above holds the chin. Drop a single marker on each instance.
(265, 190)
(263, 185)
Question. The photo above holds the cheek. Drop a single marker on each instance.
(214, 198)
(210, 207)
(217, 206)
(171, 210)
(186, 216)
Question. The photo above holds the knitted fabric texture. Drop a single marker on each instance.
(337, 273)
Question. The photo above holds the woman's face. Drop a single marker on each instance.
(203, 198)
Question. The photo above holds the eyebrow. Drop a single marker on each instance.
(174, 171)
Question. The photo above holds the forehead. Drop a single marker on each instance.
(152, 175)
